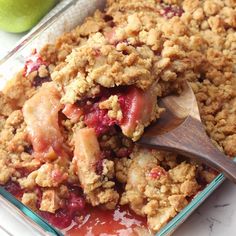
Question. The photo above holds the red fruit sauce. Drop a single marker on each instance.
(76, 218)
(14, 188)
(97, 222)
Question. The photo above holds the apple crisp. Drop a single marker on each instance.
(69, 120)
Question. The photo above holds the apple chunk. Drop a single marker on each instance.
(139, 109)
(86, 154)
(72, 112)
(41, 116)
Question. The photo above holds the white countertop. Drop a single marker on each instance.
(217, 215)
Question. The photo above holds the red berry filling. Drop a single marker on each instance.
(14, 188)
(60, 219)
(170, 11)
(124, 152)
(38, 81)
(75, 204)
(98, 119)
(157, 172)
(33, 63)
(99, 167)
(131, 101)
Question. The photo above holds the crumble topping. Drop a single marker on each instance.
(113, 106)
(155, 192)
(50, 201)
(98, 63)
(30, 200)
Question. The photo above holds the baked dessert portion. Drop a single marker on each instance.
(69, 120)
(120, 77)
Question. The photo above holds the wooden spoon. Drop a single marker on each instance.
(180, 130)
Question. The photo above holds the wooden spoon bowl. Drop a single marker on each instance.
(180, 130)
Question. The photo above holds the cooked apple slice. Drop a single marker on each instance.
(87, 155)
(98, 187)
(139, 108)
(111, 36)
(72, 112)
(41, 116)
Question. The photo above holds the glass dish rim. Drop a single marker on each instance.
(165, 230)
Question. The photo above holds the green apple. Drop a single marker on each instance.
(21, 15)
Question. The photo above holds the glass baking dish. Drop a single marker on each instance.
(70, 13)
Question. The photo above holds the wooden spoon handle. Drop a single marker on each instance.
(190, 139)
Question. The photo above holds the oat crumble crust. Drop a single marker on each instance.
(130, 43)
